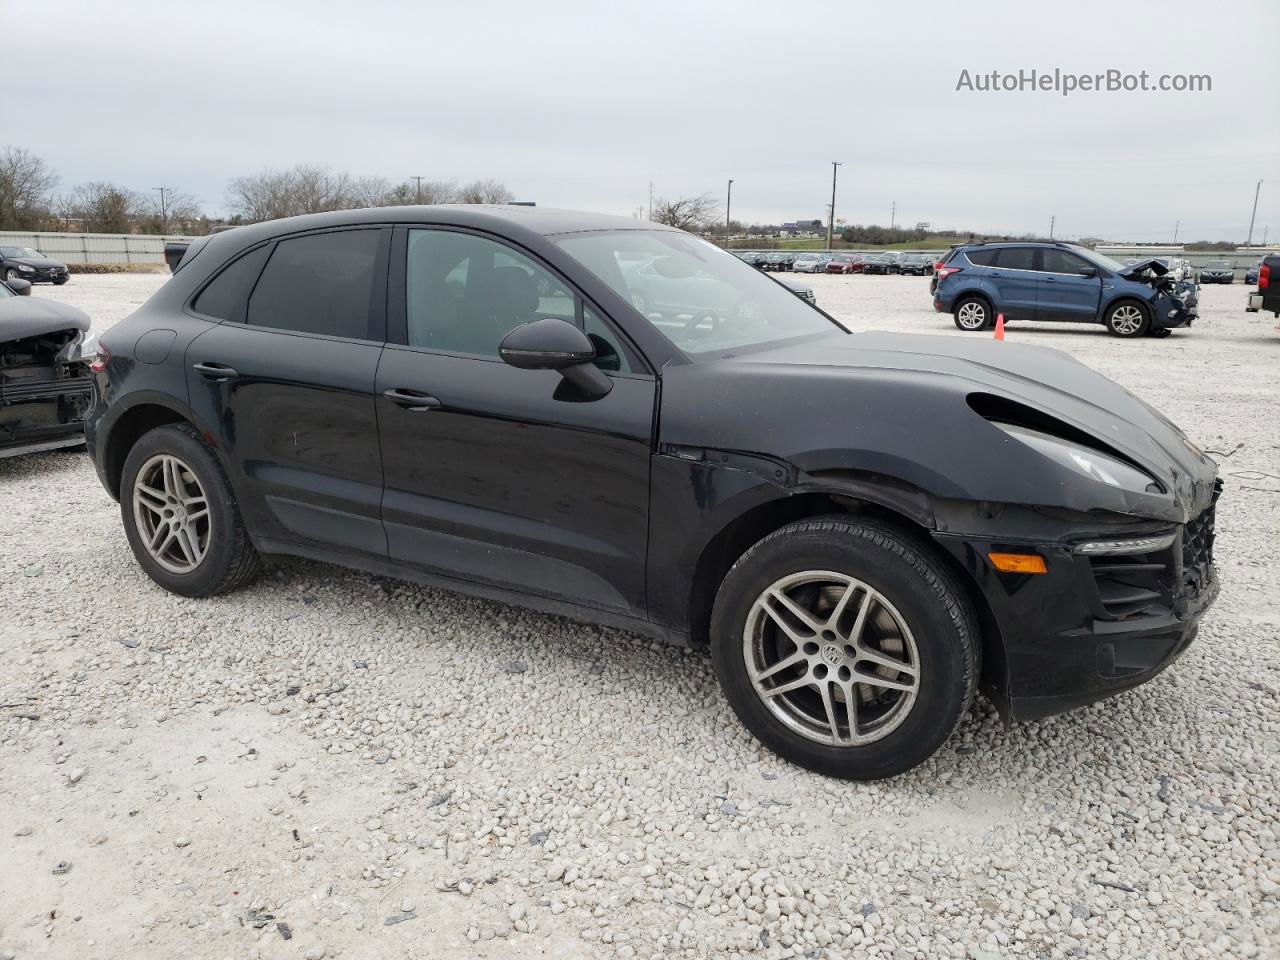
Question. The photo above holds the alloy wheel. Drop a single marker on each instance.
(172, 513)
(831, 658)
(972, 315)
(1126, 319)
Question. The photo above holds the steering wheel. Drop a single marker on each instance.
(691, 326)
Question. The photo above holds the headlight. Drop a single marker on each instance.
(1084, 461)
(25, 269)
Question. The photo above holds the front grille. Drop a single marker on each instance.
(1197, 551)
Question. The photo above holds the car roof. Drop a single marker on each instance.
(547, 221)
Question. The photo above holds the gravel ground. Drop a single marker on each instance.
(332, 764)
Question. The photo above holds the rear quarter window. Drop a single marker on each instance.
(227, 296)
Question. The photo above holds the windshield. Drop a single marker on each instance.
(701, 298)
(1218, 265)
(20, 252)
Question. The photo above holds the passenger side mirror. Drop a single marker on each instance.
(1088, 271)
(553, 344)
(21, 287)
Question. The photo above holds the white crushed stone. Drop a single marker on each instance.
(605, 802)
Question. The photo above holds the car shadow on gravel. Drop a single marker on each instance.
(32, 465)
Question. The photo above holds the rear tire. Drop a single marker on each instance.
(1127, 319)
(185, 551)
(973, 314)
(873, 598)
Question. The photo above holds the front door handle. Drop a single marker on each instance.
(994, 274)
(217, 372)
(412, 399)
(1050, 280)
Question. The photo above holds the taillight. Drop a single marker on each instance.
(1264, 276)
(100, 359)
(944, 272)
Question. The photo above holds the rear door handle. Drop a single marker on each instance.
(217, 372)
(412, 399)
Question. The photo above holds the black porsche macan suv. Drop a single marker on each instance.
(864, 528)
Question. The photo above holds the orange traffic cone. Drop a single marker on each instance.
(999, 326)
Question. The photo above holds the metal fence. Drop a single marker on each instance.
(92, 247)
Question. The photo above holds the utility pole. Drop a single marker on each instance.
(728, 200)
(164, 210)
(1176, 225)
(893, 213)
(1052, 221)
(1253, 216)
(418, 181)
(831, 221)
(650, 199)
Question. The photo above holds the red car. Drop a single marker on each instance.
(844, 263)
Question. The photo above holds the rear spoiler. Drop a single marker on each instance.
(178, 252)
(174, 251)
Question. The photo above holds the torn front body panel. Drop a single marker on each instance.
(45, 383)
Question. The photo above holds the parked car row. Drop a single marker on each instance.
(808, 261)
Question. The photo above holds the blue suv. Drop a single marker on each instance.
(1060, 281)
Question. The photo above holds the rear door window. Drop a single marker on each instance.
(320, 284)
(1016, 258)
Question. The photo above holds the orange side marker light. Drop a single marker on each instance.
(1018, 562)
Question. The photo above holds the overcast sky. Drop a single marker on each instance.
(584, 104)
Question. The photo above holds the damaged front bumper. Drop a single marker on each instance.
(45, 391)
(1112, 611)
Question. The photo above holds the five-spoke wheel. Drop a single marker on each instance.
(172, 513)
(847, 645)
(831, 657)
(181, 516)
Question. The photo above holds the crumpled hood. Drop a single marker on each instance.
(31, 317)
(897, 404)
(1133, 270)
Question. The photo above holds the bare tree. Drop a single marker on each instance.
(306, 188)
(25, 184)
(105, 207)
(316, 189)
(372, 192)
(687, 213)
(181, 214)
(485, 191)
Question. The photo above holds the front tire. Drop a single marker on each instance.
(973, 314)
(837, 611)
(12, 275)
(180, 515)
(1126, 319)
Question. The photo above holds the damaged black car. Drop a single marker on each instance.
(47, 357)
(864, 529)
